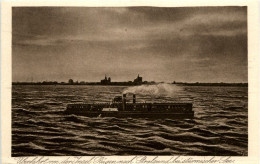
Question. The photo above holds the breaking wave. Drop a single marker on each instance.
(161, 89)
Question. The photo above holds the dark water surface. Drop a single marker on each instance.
(39, 126)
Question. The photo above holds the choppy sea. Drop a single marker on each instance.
(40, 127)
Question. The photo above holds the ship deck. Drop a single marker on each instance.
(149, 110)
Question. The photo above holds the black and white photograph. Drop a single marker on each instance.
(133, 80)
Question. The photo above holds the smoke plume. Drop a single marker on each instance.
(161, 89)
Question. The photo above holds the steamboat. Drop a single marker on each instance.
(120, 108)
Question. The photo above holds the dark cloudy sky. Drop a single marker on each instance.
(204, 44)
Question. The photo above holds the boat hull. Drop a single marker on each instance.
(131, 114)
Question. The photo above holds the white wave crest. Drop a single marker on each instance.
(161, 89)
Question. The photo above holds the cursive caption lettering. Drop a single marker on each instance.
(125, 160)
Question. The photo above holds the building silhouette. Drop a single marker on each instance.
(70, 81)
(106, 80)
(138, 80)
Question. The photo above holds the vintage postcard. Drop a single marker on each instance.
(130, 82)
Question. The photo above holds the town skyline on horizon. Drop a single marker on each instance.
(87, 81)
(183, 44)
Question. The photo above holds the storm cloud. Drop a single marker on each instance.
(204, 44)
